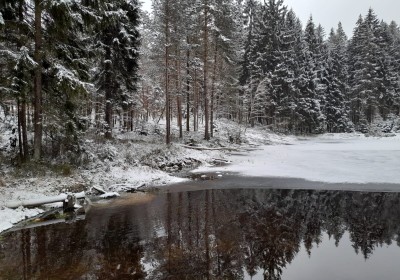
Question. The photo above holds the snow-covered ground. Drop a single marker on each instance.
(133, 160)
(130, 161)
(112, 178)
(331, 158)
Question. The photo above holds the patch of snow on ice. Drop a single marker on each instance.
(9, 217)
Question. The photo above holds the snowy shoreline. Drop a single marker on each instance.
(128, 162)
(335, 155)
(115, 177)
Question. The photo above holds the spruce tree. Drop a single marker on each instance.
(286, 72)
(117, 40)
(248, 78)
(309, 111)
(388, 76)
(365, 68)
(394, 51)
(336, 105)
(17, 65)
(265, 47)
(66, 75)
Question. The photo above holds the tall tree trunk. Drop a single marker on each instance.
(24, 132)
(108, 94)
(167, 97)
(21, 153)
(205, 73)
(38, 110)
(213, 91)
(180, 118)
(88, 112)
(131, 116)
(251, 109)
(196, 103)
(97, 111)
(22, 129)
(178, 91)
(187, 85)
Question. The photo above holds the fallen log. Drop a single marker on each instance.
(41, 201)
(105, 194)
(200, 148)
(100, 190)
(221, 160)
(130, 188)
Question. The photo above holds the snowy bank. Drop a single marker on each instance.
(9, 217)
(116, 166)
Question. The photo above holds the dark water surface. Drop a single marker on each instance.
(217, 234)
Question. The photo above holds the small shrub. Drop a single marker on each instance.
(64, 169)
(29, 169)
(130, 158)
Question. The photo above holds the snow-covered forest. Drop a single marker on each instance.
(74, 69)
(257, 64)
(211, 123)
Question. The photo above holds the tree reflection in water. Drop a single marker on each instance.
(212, 234)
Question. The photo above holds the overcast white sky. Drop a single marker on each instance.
(330, 12)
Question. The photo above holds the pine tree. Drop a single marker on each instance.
(309, 111)
(18, 65)
(389, 77)
(118, 42)
(165, 14)
(365, 81)
(265, 46)
(269, 32)
(336, 105)
(151, 103)
(285, 73)
(66, 74)
(248, 83)
(206, 19)
(224, 59)
(394, 51)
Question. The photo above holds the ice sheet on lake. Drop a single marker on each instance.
(340, 158)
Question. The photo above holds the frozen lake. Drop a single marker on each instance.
(338, 158)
